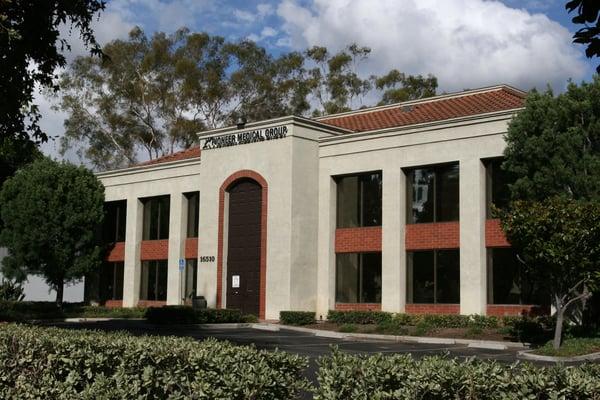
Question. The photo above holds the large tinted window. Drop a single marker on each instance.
(111, 281)
(156, 218)
(507, 281)
(358, 278)
(433, 194)
(191, 277)
(193, 203)
(115, 215)
(359, 200)
(497, 181)
(434, 277)
(154, 280)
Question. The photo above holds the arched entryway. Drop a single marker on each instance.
(242, 227)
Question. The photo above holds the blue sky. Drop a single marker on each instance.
(465, 43)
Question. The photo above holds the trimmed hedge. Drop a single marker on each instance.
(345, 376)
(297, 317)
(188, 315)
(359, 317)
(51, 363)
(40, 310)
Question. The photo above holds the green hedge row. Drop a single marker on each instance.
(344, 376)
(359, 317)
(297, 317)
(36, 310)
(188, 315)
(42, 363)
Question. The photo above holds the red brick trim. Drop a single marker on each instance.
(494, 235)
(116, 253)
(191, 248)
(358, 306)
(356, 240)
(151, 303)
(432, 309)
(113, 303)
(501, 310)
(430, 236)
(263, 235)
(154, 250)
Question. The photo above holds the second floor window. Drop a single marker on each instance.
(359, 200)
(433, 194)
(115, 215)
(156, 218)
(193, 202)
(497, 181)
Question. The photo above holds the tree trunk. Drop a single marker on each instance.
(560, 315)
(60, 288)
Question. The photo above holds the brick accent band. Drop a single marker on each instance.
(154, 250)
(116, 252)
(432, 309)
(430, 236)
(358, 306)
(356, 240)
(501, 310)
(151, 303)
(263, 235)
(113, 303)
(494, 235)
(191, 248)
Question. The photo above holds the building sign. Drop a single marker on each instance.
(257, 135)
(204, 259)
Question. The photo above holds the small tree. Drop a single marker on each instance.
(50, 211)
(558, 241)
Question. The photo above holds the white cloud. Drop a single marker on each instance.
(244, 16)
(465, 43)
(267, 32)
(264, 9)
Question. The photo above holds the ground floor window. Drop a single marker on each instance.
(153, 285)
(358, 278)
(111, 281)
(507, 282)
(191, 277)
(433, 277)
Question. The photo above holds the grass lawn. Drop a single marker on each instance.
(571, 347)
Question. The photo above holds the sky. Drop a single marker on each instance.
(465, 43)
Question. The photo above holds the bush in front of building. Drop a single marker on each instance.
(297, 317)
(189, 315)
(51, 363)
(346, 376)
(358, 317)
(22, 311)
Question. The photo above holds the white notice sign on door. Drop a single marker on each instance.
(235, 281)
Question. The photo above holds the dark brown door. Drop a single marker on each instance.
(243, 247)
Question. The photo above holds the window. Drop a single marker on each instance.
(193, 202)
(115, 215)
(154, 280)
(433, 194)
(507, 282)
(434, 277)
(359, 200)
(111, 281)
(497, 181)
(156, 218)
(191, 278)
(358, 278)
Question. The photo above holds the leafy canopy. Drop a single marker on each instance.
(588, 14)
(50, 212)
(152, 95)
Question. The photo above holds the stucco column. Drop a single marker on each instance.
(473, 279)
(208, 239)
(393, 263)
(177, 233)
(326, 243)
(132, 264)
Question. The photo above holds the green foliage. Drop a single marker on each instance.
(587, 14)
(42, 310)
(11, 291)
(188, 315)
(297, 317)
(358, 317)
(50, 212)
(348, 328)
(571, 347)
(345, 376)
(42, 363)
(30, 36)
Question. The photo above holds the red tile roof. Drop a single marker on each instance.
(429, 110)
(192, 152)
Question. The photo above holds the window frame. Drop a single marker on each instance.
(360, 277)
(193, 207)
(410, 275)
(148, 202)
(120, 221)
(154, 264)
(361, 198)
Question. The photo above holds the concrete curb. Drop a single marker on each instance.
(472, 343)
(224, 326)
(266, 327)
(528, 355)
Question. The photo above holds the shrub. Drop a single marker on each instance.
(51, 363)
(345, 376)
(11, 291)
(348, 328)
(188, 315)
(297, 317)
(358, 317)
(40, 310)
